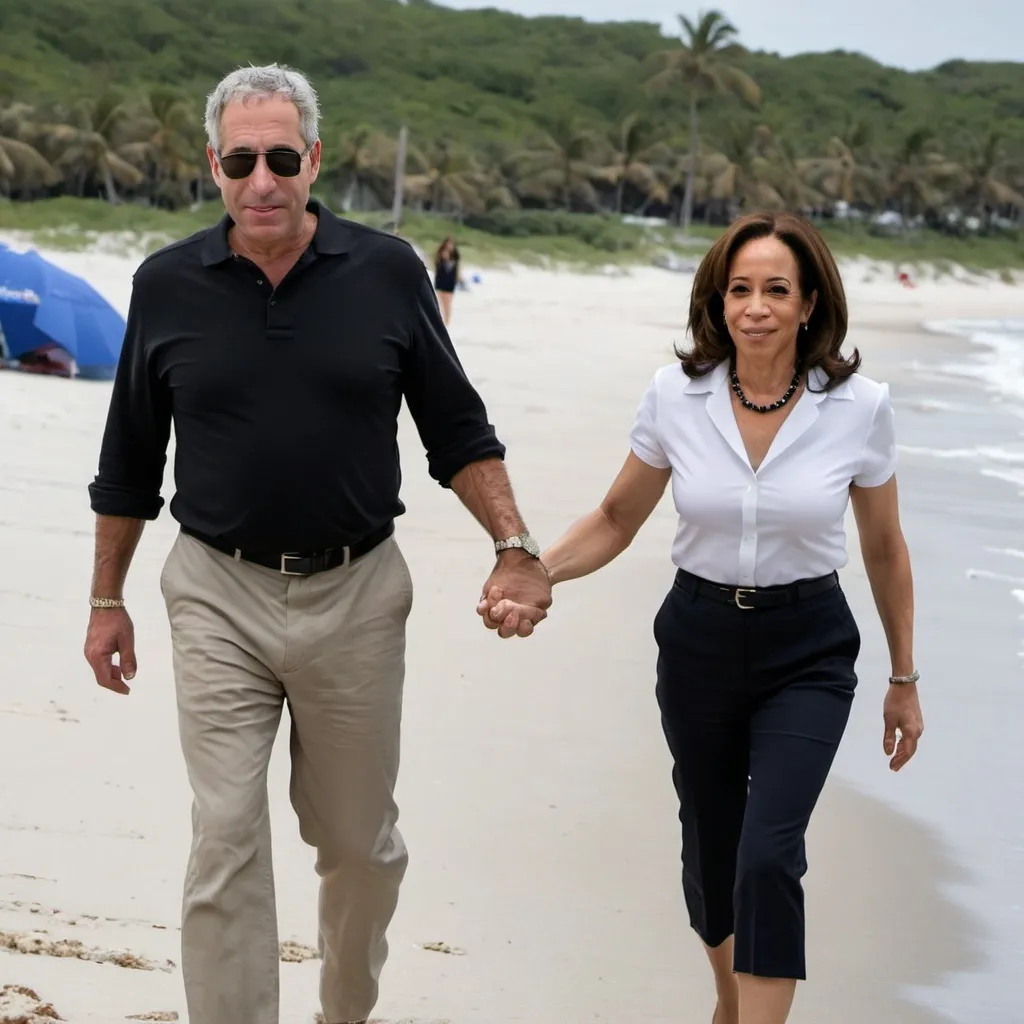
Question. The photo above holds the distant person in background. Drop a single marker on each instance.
(765, 434)
(446, 275)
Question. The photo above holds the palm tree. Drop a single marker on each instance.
(559, 165)
(82, 145)
(986, 179)
(22, 167)
(848, 171)
(636, 159)
(162, 138)
(922, 175)
(753, 170)
(778, 161)
(699, 68)
(450, 180)
(841, 177)
(365, 161)
(737, 174)
(498, 185)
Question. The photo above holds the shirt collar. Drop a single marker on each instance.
(718, 375)
(332, 237)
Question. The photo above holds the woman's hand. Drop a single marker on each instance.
(904, 723)
(589, 544)
(509, 618)
(521, 587)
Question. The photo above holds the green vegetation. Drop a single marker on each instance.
(536, 238)
(74, 219)
(530, 237)
(511, 118)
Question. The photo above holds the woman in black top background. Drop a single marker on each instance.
(446, 275)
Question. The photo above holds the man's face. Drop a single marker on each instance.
(266, 206)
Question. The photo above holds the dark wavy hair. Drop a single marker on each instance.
(818, 346)
(440, 249)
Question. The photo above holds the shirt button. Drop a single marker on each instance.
(260, 281)
(273, 302)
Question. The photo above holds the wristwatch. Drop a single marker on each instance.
(523, 541)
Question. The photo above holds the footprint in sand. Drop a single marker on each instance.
(155, 1015)
(20, 1005)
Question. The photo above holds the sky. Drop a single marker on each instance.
(912, 34)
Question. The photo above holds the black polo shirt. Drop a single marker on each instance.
(284, 401)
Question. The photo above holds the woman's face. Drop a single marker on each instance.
(763, 305)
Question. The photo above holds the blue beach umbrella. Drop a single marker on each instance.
(41, 304)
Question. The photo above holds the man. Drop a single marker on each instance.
(281, 344)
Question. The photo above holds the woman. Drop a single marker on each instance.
(766, 433)
(446, 275)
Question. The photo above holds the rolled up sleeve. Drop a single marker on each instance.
(134, 448)
(448, 412)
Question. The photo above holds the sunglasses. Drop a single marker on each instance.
(282, 163)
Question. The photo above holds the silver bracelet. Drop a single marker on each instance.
(905, 680)
(106, 602)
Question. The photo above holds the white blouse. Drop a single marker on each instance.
(786, 521)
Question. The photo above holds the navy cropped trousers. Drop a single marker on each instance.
(754, 702)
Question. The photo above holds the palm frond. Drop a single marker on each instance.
(729, 79)
(25, 166)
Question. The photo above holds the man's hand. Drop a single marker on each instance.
(516, 595)
(111, 632)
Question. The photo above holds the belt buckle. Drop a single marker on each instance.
(322, 559)
(285, 571)
(738, 596)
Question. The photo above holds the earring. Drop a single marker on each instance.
(805, 325)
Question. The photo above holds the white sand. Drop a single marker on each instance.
(535, 787)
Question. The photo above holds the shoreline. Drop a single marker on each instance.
(959, 427)
(535, 788)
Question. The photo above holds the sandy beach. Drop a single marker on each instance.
(536, 799)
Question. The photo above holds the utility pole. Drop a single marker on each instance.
(396, 213)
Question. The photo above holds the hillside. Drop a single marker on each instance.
(478, 76)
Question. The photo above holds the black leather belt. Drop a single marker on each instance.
(750, 598)
(300, 563)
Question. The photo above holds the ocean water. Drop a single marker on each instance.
(959, 401)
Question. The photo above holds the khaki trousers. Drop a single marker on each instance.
(245, 640)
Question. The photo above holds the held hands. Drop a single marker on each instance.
(515, 596)
(904, 723)
(111, 632)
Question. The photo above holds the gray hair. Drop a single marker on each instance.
(264, 82)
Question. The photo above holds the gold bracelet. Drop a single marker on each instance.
(106, 602)
(905, 680)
